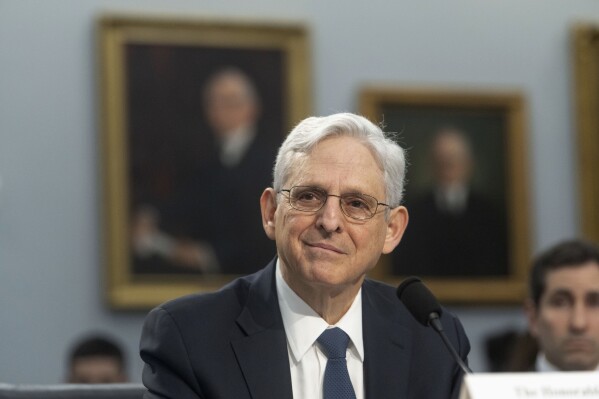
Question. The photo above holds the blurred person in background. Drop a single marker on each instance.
(96, 359)
(563, 307)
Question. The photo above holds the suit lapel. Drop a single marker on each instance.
(262, 352)
(264, 361)
(387, 347)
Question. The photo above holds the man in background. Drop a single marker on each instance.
(96, 360)
(563, 307)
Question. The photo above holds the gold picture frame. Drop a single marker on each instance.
(152, 69)
(495, 124)
(585, 39)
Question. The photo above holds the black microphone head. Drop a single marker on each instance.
(418, 299)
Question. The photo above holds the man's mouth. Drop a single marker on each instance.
(325, 246)
(578, 344)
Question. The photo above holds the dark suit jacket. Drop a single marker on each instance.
(232, 344)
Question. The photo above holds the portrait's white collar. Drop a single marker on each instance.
(234, 146)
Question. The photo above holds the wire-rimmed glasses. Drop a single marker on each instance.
(311, 199)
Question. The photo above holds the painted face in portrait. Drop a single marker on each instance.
(566, 322)
(231, 103)
(452, 158)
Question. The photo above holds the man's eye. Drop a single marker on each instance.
(559, 301)
(307, 196)
(355, 202)
(593, 300)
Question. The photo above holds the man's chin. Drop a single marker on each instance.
(580, 362)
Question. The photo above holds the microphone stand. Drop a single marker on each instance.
(435, 323)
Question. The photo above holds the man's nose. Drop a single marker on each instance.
(580, 317)
(330, 216)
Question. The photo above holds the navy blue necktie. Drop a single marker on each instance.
(337, 384)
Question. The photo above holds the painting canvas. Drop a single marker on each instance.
(194, 112)
(465, 191)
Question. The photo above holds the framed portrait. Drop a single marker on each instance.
(586, 80)
(193, 112)
(466, 190)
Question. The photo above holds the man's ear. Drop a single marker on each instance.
(268, 207)
(396, 226)
(532, 315)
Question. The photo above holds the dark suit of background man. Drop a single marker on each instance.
(455, 230)
(334, 208)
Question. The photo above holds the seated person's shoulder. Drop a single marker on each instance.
(227, 301)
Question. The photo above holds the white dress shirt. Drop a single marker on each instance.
(307, 361)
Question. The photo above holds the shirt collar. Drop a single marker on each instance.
(303, 325)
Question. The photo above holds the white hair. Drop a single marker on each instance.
(311, 131)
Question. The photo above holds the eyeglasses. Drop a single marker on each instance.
(312, 199)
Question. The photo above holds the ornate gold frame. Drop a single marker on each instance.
(586, 91)
(122, 290)
(467, 289)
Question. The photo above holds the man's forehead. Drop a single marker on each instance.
(345, 185)
(320, 167)
(579, 277)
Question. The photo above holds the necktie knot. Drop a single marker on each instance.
(334, 343)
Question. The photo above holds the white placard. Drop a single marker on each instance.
(567, 385)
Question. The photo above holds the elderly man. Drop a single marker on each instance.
(310, 324)
(563, 309)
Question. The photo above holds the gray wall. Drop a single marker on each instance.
(50, 288)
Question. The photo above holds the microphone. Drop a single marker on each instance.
(425, 308)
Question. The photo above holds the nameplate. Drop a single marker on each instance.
(567, 385)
